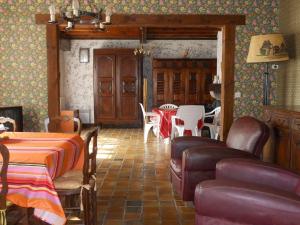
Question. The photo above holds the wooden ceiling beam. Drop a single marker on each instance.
(89, 32)
(171, 20)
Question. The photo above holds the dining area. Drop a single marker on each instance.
(47, 177)
(169, 121)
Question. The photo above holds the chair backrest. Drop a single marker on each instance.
(90, 155)
(143, 110)
(190, 114)
(216, 120)
(168, 106)
(11, 123)
(3, 175)
(248, 134)
(62, 124)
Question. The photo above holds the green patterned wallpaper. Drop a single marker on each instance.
(23, 65)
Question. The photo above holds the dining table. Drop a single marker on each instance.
(36, 159)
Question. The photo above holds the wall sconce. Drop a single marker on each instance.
(84, 55)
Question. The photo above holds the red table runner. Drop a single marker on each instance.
(166, 122)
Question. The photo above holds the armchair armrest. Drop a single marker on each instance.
(206, 158)
(246, 204)
(180, 144)
(257, 172)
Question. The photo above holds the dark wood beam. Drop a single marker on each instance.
(227, 87)
(171, 20)
(52, 35)
(143, 35)
(89, 32)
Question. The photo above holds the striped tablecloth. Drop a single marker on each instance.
(35, 160)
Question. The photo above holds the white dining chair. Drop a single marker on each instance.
(151, 120)
(214, 127)
(168, 106)
(190, 115)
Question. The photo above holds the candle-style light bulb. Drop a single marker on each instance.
(52, 13)
(69, 25)
(75, 7)
(108, 13)
(101, 26)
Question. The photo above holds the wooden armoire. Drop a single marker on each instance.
(117, 87)
(182, 81)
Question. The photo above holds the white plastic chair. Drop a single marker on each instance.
(168, 106)
(190, 114)
(214, 127)
(151, 120)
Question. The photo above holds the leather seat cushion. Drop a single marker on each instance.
(176, 165)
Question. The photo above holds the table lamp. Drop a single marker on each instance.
(265, 49)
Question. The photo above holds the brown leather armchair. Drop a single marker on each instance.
(193, 159)
(248, 192)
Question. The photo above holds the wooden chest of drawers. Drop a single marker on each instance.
(284, 122)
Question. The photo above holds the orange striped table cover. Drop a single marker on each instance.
(35, 160)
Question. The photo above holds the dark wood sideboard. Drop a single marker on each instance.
(284, 144)
(182, 81)
(14, 112)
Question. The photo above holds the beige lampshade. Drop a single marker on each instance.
(267, 48)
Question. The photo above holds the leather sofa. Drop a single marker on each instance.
(193, 159)
(248, 192)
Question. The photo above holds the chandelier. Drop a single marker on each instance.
(72, 14)
(141, 51)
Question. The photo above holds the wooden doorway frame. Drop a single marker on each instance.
(226, 23)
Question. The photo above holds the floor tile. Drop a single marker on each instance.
(133, 181)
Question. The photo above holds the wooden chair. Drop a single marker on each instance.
(63, 124)
(82, 184)
(6, 208)
(5, 158)
(11, 123)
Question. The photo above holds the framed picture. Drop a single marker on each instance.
(84, 55)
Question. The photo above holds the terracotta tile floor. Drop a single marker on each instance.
(133, 181)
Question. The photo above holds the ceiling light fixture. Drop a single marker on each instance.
(72, 14)
(141, 51)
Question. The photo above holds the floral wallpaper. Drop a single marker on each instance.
(23, 62)
(77, 78)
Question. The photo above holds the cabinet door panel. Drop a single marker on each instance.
(295, 145)
(105, 87)
(127, 86)
(160, 86)
(206, 82)
(177, 87)
(282, 146)
(295, 151)
(193, 87)
(280, 124)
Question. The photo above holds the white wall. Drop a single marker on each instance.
(77, 78)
